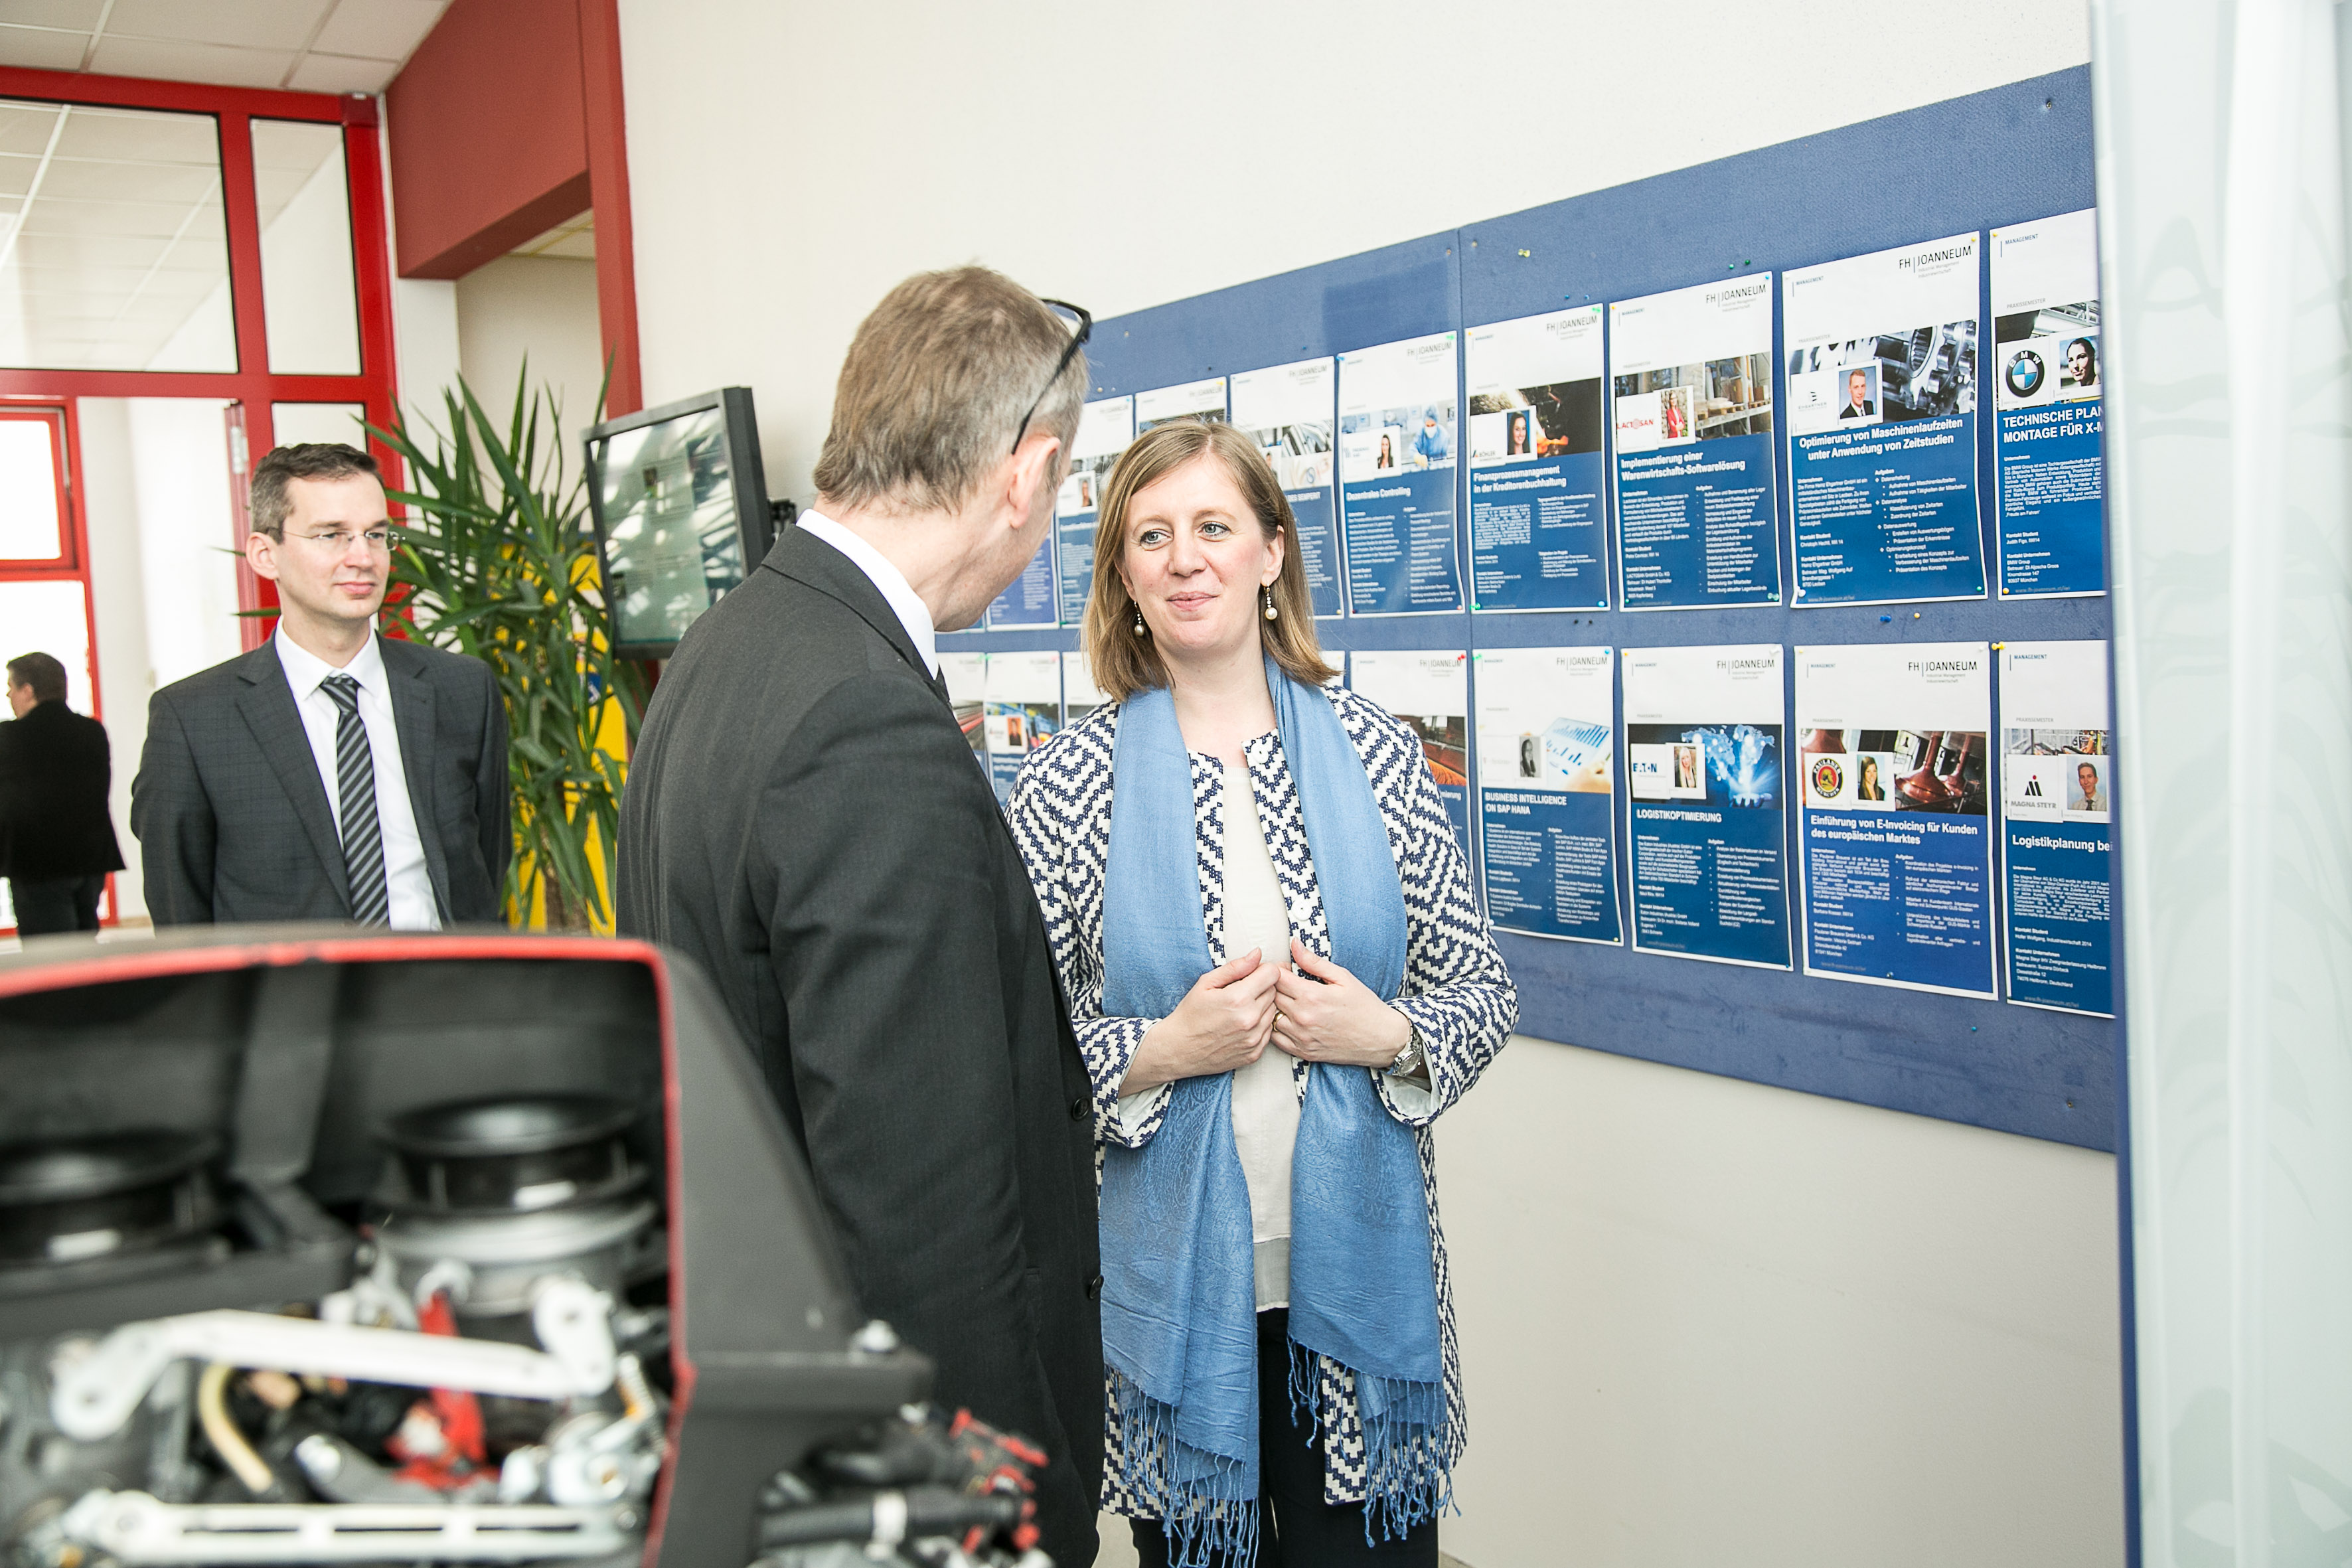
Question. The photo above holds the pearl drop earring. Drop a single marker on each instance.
(1270, 611)
(1138, 620)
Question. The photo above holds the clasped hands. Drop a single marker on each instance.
(1317, 1011)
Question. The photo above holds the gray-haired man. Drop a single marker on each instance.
(804, 819)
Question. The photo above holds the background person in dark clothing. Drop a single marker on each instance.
(57, 842)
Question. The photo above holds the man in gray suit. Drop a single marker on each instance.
(804, 819)
(331, 774)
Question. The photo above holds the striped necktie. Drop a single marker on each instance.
(355, 782)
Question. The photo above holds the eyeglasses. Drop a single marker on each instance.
(1077, 341)
(337, 540)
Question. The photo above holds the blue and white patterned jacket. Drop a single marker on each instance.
(1456, 990)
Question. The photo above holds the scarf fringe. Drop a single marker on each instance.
(1201, 1512)
(1411, 1441)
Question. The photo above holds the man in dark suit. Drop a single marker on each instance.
(804, 820)
(1858, 405)
(57, 842)
(331, 774)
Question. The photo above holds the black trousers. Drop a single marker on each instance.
(1297, 1529)
(51, 904)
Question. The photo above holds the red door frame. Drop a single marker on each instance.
(250, 385)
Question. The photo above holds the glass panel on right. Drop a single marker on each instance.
(113, 255)
(293, 423)
(309, 296)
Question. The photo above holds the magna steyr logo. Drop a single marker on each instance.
(2032, 785)
(2025, 374)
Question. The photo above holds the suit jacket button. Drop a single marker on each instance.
(1079, 1109)
(1094, 1288)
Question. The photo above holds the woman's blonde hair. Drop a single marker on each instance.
(1124, 663)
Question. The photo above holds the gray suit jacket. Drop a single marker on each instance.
(233, 820)
(805, 820)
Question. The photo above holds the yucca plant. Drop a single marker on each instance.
(496, 560)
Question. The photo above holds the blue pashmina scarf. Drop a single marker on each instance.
(1179, 1302)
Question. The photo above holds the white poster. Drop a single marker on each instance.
(1893, 814)
(1704, 738)
(2057, 807)
(1430, 691)
(1547, 766)
(1194, 400)
(1883, 425)
(1691, 397)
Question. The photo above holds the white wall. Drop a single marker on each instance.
(543, 308)
(792, 160)
(1704, 1321)
(162, 580)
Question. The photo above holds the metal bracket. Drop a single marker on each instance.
(93, 1394)
(135, 1528)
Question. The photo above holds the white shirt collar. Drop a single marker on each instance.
(888, 579)
(304, 670)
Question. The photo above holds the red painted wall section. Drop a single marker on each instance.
(489, 139)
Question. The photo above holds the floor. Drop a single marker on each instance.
(1118, 1547)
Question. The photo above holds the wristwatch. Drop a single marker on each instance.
(1407, 1062)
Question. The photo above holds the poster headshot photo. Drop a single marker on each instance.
(2079, 375)
(2086, 788)
(1925, 373)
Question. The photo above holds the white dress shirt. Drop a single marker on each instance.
(888, 579)
(1265, 1095)
(407, 877)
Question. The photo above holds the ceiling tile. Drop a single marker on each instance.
(40, 49)
(80, 14)
(211, 63)
(341, 73)
(573, 239)
(248, 23)
(379, 29)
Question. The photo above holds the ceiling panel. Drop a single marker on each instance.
(170, 61)
(79, 15)
(339, 73)
(378, 29)
(39, 48)
(308, 46)
(284, 24)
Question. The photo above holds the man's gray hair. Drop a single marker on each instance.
(935, 385)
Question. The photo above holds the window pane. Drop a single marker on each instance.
(53, 618)
(112, 252)
(29, 526)
(292, 423)
(308, 295)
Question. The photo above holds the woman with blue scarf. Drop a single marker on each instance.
(1279, 978)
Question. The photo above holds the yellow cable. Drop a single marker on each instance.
(229, 1443)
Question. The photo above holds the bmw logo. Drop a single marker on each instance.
(2026, 373)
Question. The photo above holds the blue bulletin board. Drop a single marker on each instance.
(2018, 152)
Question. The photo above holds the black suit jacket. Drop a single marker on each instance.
(55, 770)
(233, 820)
(803, 818)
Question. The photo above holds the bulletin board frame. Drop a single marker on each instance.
(2012, 154)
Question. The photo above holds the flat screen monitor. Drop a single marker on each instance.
(680, 503)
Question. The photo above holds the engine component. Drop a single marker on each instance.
(513, 1155)
(370, 1240)
(70, 1201)
(94, 1389)
(136, 1530)
(503, 1255)
(494, 1194)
